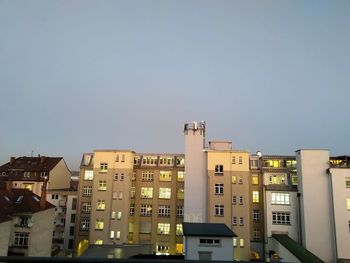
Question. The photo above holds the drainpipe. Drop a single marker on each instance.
(299, 217)
(333, 215)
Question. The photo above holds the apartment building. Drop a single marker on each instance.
(128, 198)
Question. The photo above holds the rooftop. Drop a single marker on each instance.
(207, 229)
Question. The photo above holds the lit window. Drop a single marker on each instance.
(294, 179)
(179, 230)
(163, 228)
(146, 210)
(277, 179)
(102, 185)
(180, 193)
(235, 242)
(114, 214)
(219, 189)
(180, 176)
(219, 210)
(86, 207)
(98, 242)
(255, 197)
(234, 200)
(256, 215)
(255, 179)
(132, 209)
(165, 176)
(147, 176)
(111, 234)
(164, 210)
(281, 218)
(280, 199)
(180, 211)
(348, 203)
(164, 193)
(118, 235)
(99, 224)
(219, 169)
(179, 248)
(87, 190)
(146, 192)
(234, 179)
(84, 224)
(88, 175)
(241, 242)
(21, 239)
(103, 167)
(101, 205)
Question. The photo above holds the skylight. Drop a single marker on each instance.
(19, 199)
(36, 198)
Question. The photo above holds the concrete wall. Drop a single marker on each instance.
(342, 215)
(59, 177)
(222, 252)
(316, 207)
(196, 196)
(5, 231)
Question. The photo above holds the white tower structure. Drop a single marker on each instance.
(196, 190)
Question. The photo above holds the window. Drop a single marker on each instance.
(132, 209)
(101, 205)
(87, 190)
(241, 242)
(240, 160)
(132, 191)
(162, 250)
(119, 215)
(241, 200)
(123, 158)
(349, 225)
(99, 224)
(219, 169)
(180, 176)
(84, 224)
(146, 210)
(347, 182)
(294, 178)
(219, 210)
(111, 233)
(74, 203)
(240, 180)
(146, 192)
(163, 228)
(72, 218)
(281, 218)
(120, 196)
(164, 210)
(44, 174)
(207, 241)
(234, 220)
(23, 221)
(234, 179)
(277, 178)
(98, 242)
(88, 175)
(180, 211)
(180, 161)
(147, 176)
(235, 242)
(241, 221)
(256, 215)
(117, 158)
(255, 179)
(233, 159)
(164, 193)
(103, 167)
(180, 193)
(21, 239)
(165, 176)
(179, 248)
(118, 235)
(166, 161)
(234, 200)
(54, 197)
(149, 160)
(179, 230)
(113, 215)
(71, 231)
(280, 199)
(348, 203)
(219, 189)
(255, 197)
(256, 234)
(102, 185)
(136, 160)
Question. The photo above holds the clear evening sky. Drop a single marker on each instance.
(82, 75)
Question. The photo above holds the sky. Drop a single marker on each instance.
(82, 75)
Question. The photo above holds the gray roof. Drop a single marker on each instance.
(207, 230)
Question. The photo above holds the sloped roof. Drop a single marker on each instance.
(19, 201)
(296, 249)
(31, 164)
(207, 229)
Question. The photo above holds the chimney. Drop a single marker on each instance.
(12, 160)
(43, 194)
(42, 159)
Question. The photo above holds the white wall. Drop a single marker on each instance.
(341, 214)
(316, 216)
(196, 196)
(283, 253)
(5, 231)
(222, 252)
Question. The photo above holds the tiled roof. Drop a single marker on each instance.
(31, 164)
(297, 250)
(19, 201)
(207, 229)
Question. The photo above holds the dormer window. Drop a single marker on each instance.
(44, 174)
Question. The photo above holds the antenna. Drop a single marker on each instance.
(32, 154)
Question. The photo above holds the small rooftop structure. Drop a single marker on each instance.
(207, 230)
